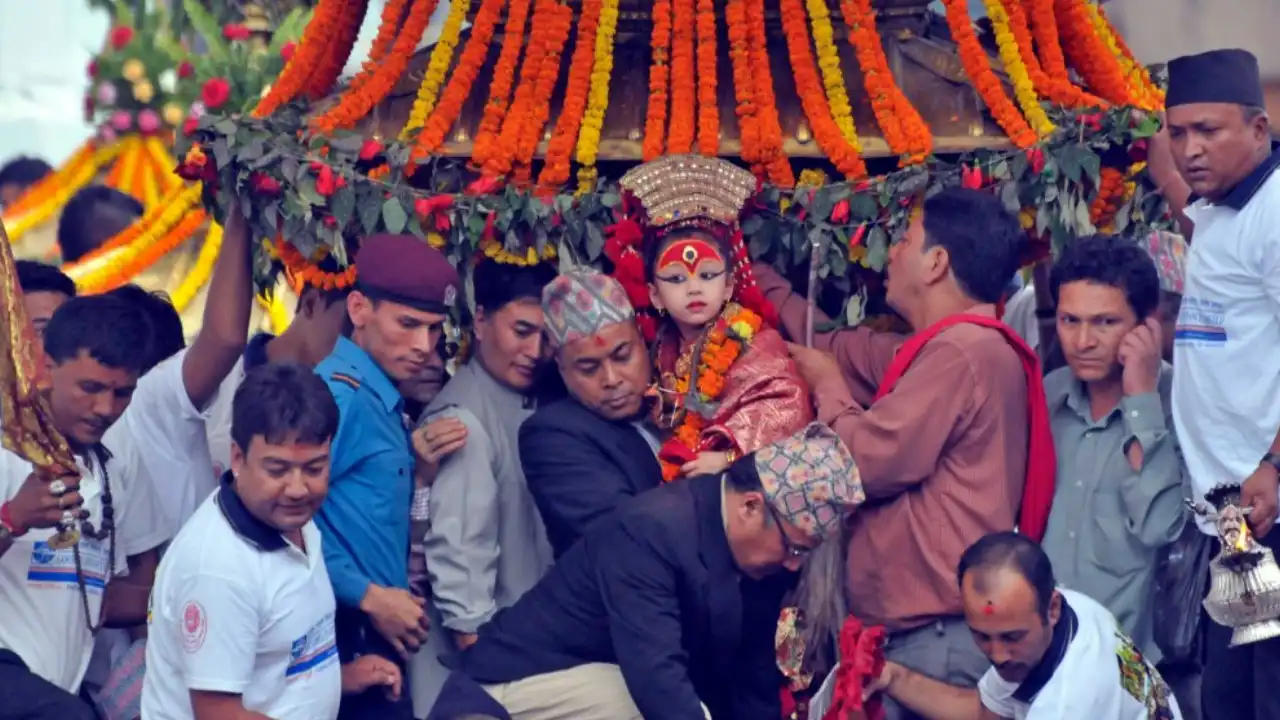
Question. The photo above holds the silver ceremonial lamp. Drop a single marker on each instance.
(1244, 579)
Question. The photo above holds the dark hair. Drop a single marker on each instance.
(742, 476)
(982, 238)
(34, 277)
(167, 337)
(283, 401)
(653, 247)
(24, 171)
(497, 285)
(109, 329)
(1009, 550)
(1113, 262)
(91, 217)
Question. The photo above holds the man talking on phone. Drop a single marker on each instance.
(1120, 474)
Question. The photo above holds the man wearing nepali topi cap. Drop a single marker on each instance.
(644, 615)
(397, 310)
(586, 453)
(1228, 330)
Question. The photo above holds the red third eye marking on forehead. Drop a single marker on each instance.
(690, 253)
(989, 609)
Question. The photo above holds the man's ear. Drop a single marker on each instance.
(1055, 608)
(937, 264)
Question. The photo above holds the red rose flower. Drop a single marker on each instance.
(120, 36)
(370, 149)
(186, 69)
(215, 93)
(264, 184)
(483, 186)
(190, 124)
(236, 32)
(287, 50)
(1035, 156)
(93, 69)
(840, 213)
(328, 182)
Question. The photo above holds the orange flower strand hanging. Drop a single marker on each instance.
(392, 16)
(308, 273)
(296, 75)
(735, 18)
(461, 82)
(334, 59)
(708, 105)
(777, 167)
(1044, 28)
(502, 156)
(903, 129)
(683, 82)
(1089, 55)
(540, 105)
(555, 171)
(1055, 89)
(977, 66)
(813, 95)
(655, 116)
(504, 77)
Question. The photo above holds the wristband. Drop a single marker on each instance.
(6, 522)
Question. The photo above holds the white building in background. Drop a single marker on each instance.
(46, 45)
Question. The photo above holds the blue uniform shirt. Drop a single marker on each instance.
(365, 520)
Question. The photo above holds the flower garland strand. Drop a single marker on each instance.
(504, 75)
(735, 18)
(1144, 92)
(708, 101)
(904, 130)
(1089, 54)
(43, 200)
(315, 48)
(306, 272)
(437, 68)
(558, 35)
(985, 82)
(555, 169)
(723, 344)
(326, 73)
(1010, 56)
(199, 274)
(109, 271)
(777, 167)
(47, 187)
(1058, 90)
(1044, 28)
(597, 96)
(167, 214)
(829, 64)
(392, 16)
(375, 81)
(502, 154)
(655, 116)
(1105, 204)
(683, 78)
(838, 149)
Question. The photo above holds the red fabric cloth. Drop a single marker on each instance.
(861, 663)
(1042, 463)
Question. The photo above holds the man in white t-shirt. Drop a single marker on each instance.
(242, 617)
(1056, 654)
(52, 600)
(1217, 166)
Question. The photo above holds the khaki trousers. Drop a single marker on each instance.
(588, 692)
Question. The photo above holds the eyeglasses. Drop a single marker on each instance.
(789, 548)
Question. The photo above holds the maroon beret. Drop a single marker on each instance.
(406, 270)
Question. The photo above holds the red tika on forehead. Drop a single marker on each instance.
(690, 253)
(989, 609)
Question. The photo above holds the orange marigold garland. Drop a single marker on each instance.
(683, 83)
(769, 127)
(1058, 90)
(540, 105)
(375, 81)
(312, 62)
(137, 257)
(655, 116)
(307, 272)
(735, 18)
(463, 79)
(1108, 200)
(901, 124)
(555, 170)
(723, 344)
(708, 105)
(329, 69)
(501, 156)
(813, 96)
(978, 68)
(1089, 54)
(392, 17)
(504, 77)
(1044, 28)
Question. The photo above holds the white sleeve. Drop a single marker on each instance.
(216, 621)
(996, 695)
(140, 521)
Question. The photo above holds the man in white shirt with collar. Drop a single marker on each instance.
(1055, 654)
(53, 600)
(242, 616)
(1218, 167)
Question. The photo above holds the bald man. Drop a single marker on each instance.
(1055, 653)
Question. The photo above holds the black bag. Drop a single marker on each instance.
(1182, 580)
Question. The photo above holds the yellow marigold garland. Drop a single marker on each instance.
(43, 200)
(199, 274)
(832, 78)
(1145, 92)
(111, 270)
(1023, 88)
(597, 96)
(437, 67)
(494, 250)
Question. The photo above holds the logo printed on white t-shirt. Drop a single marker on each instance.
(314, 650)
(195, 626)
(53, 568)
(1201, 323)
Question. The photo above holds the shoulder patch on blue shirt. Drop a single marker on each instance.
(349, 380)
